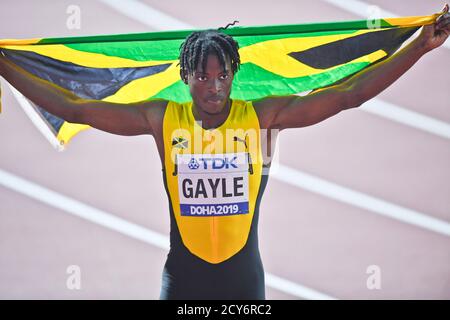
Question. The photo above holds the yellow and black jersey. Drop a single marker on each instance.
(214, 181)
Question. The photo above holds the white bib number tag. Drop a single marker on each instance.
(213, 184)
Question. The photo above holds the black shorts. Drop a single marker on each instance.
(186, 277)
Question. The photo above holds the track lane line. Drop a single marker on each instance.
(358, 199)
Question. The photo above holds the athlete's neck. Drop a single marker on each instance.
(211, 121)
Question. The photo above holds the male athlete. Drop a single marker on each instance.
(211, 151)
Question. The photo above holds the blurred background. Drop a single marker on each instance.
(359, 210)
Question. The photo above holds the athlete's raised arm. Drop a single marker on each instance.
(294, 111)
(130, 119)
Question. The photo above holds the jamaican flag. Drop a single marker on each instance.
(275, 60)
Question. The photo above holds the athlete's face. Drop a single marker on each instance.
(210, 88)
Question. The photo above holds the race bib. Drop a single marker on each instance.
(213, 184)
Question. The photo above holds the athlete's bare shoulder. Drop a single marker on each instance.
(154, 112)
(155, 108)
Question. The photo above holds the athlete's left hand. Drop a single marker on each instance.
(434, 35)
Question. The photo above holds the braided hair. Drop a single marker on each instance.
(195, 49)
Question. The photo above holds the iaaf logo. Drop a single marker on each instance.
(214, 163)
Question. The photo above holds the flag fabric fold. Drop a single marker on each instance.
(275, 60)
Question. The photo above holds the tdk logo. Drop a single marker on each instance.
(213, 163)
(193, 164)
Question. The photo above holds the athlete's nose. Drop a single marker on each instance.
(215, 86)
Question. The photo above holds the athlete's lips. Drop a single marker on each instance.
(215, 99)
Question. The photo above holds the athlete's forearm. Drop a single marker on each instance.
(378, 77)
(54, 99)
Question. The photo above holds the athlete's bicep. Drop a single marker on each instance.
(301, 111)
(122, 119)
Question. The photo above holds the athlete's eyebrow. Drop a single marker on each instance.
(198, 72)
